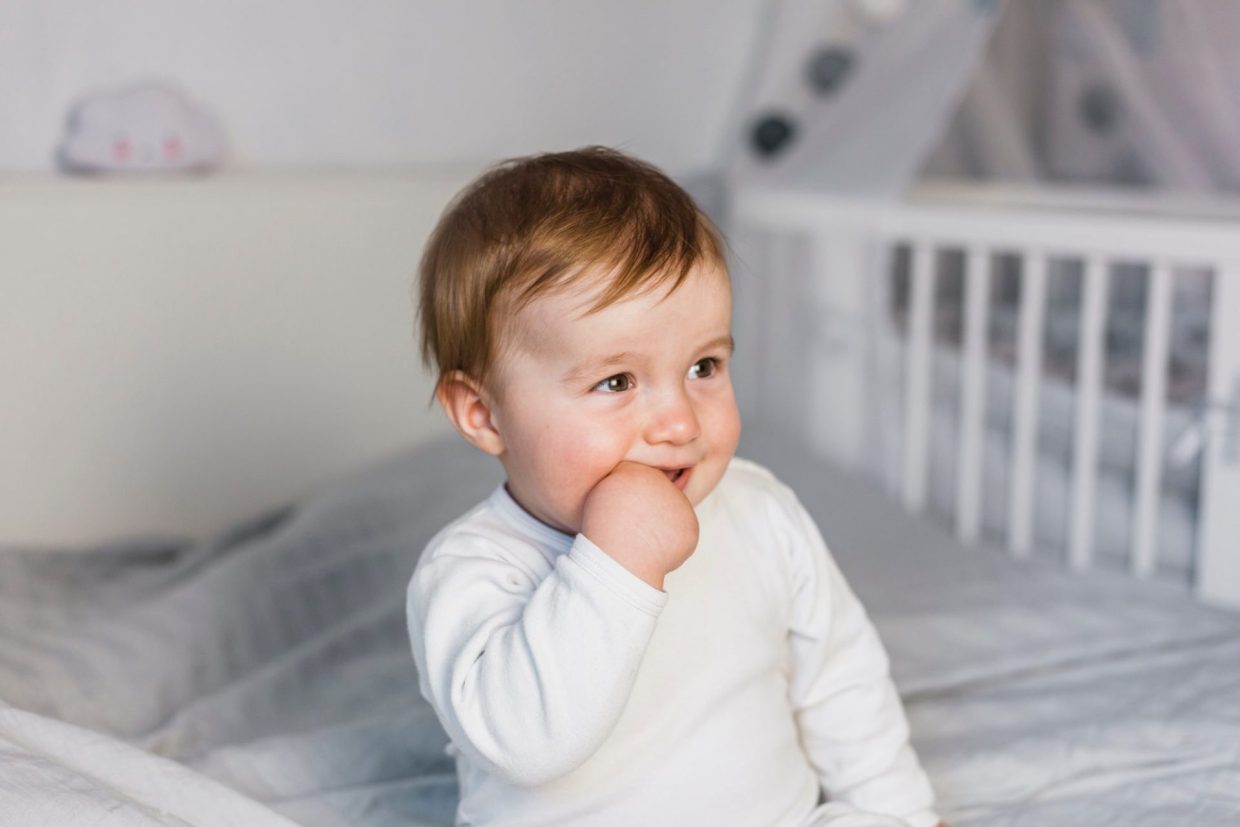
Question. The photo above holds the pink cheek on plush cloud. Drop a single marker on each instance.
(172, 149)
(120, 151)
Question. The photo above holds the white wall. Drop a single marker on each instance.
(177, 354)
(342, 82)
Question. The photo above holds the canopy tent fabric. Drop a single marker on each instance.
(868, 96)
(1104, 92)
(851, 96)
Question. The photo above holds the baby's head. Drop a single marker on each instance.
(577, 309)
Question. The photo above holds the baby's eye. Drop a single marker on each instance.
(704, 368)
(615, 384)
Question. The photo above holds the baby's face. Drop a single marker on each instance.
(646, 379)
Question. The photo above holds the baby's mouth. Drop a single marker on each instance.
(678, 476)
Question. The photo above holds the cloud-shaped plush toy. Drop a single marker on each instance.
(145, 127)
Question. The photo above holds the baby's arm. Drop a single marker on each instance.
(850, 716)
(529, 677)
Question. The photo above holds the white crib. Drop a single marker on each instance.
(815, 275)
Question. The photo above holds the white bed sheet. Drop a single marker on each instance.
(268, 673)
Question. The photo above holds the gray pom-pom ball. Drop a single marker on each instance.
(828, 68)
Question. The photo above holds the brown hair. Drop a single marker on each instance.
(530, 225)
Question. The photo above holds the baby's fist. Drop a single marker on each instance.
(642, 520)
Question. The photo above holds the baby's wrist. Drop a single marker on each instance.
(640, 566)
(653, 578)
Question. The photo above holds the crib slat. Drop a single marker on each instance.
(833, 325)
(1153, 410)
(749, 265)
(777, 325)
(878, 342)
(1218, 553)
(1088, 396)
(917, 377)
(973, 395)
(1025, 413)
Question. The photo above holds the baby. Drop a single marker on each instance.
(637, 628)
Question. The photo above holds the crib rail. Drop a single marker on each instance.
(812, 278)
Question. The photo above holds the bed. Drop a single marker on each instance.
(264, 676)
(238, 654)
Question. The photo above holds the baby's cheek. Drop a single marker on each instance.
(578, 462)
(579, 466)
(595, 455)
(725, 428)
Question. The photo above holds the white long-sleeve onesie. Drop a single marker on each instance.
(576, 694)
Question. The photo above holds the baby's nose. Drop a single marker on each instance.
(673, 419)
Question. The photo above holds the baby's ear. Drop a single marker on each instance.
(468, 406)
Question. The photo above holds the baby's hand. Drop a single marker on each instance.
(642, 520)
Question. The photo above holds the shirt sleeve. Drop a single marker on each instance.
(850, 716)
(529, 678)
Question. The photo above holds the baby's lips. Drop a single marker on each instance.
(678, 477)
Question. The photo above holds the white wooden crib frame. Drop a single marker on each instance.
(841, 282)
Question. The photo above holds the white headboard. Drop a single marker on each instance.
(181, 353)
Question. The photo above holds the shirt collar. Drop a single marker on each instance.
(512, 511)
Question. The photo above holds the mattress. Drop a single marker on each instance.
(264, 677)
